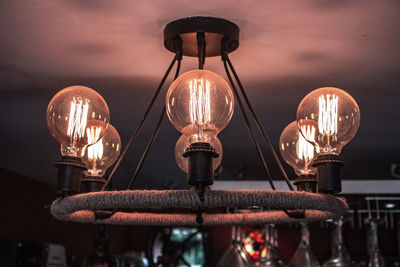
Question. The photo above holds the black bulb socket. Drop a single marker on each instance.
(329, 173)
(306, 183)
(92, 184)
(200, 164)
(69, 175)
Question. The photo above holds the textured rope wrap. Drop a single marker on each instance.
(145, 206)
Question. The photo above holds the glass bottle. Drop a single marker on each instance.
(339, 256)
(101, 256)
(375, 257)
(270, 255)
(303, 257)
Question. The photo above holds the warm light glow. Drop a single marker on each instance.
(263, 253)
(199, 103)
(200, 110)
(304, 149)
(328, 114)
(102, 154)
(77, 118)
(298, 150)
(70, 112)
(249, 247)
(96, 150)
(254, 243)
(334, 113)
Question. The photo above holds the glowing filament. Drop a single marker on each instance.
(199, 106)
(305, 150)
(77, 119)
(94, 151)
(328, 114)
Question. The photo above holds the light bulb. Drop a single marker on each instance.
(335, 116)
(296, 151)
(101, 155)
(183, 143)
(199, 104)
(71, 113)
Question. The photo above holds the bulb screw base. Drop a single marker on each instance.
(70, 172)
(92, 184)
(307, 183)
(200, 171)
(329, 173)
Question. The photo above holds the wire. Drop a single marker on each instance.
(146, 151)
(260, 128)
(178, 69)
(178, 56)
(153, 137)
(246, 119)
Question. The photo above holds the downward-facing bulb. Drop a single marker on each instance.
(296, 150)
(183, 143)
(101, 155)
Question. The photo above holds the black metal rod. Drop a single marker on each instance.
(153, 137)
(146, 151)
(178, 69)
(140, 126)
(246, 119)
(201, 48)
(260, 128)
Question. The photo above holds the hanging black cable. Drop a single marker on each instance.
(260, 128)
(297, 214)
(178, 68)
(146, 151)
(178, 56)
(153, 137)
(201, 48)
(246, 119)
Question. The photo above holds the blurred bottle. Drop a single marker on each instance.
(375, 256)
(339, 256)
(303, 257)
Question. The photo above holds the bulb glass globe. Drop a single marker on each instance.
(296, 151)
(334, 114)
(183, 143)
(73, 112)
(199, 104)
(101, 155)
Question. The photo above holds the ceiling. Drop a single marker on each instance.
(287, 48)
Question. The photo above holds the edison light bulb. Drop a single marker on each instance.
(73, 112)
(101, 155)
(199, 104)
(296, 150)
(335, 116)
(183, 143)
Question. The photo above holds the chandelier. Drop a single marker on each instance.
(200, 104)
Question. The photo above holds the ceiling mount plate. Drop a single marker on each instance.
(214, 28)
